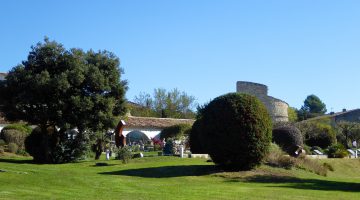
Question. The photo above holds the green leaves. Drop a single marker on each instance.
(165, 104)
(55, 86)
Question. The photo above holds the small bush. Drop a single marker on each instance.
(177, 131)
(318, 134)
(124, 154)
(337, 151)
(14, 136)
(2, 142)
(135, 148)
(289, 138)
(157, 147)
(12, 147)
(169, 148)
(22, 152)
(52, 146)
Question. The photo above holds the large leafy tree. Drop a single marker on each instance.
(312, 107)
(166, 104)
(62, 89)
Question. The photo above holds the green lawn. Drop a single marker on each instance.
(172, 178)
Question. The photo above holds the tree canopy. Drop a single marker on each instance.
(65, 89)
(312, 107)
(165, 104)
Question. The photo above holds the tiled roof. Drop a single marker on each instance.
(155, 122)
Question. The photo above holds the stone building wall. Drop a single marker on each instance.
(276, 107)
(350, 116)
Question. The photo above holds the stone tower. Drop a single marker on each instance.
(276, 107)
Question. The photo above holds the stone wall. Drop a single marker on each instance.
(276, 107)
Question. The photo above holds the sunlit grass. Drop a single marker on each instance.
(172, 178)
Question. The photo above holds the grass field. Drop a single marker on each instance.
(172, 178)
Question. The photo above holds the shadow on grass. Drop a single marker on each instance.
(305, 184)
(167, 171)
(7, 160)
(102, 165)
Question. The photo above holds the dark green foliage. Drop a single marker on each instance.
(337, 151)
(124, 154)
(317, 134)
(169, 147)
(55, 146)
(68, 150)
(175, 131)
(194, 139)
(37, 145)
(348, 132)
(67, 89)
(235, 129)
(312, 107)
(322, 135)
(313, 104)
(289, 138)
(2, 142)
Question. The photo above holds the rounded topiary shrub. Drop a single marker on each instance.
(289, 138)
(235, 129)
(194, 139)
(15, 133)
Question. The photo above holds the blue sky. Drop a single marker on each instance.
(201, 47)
